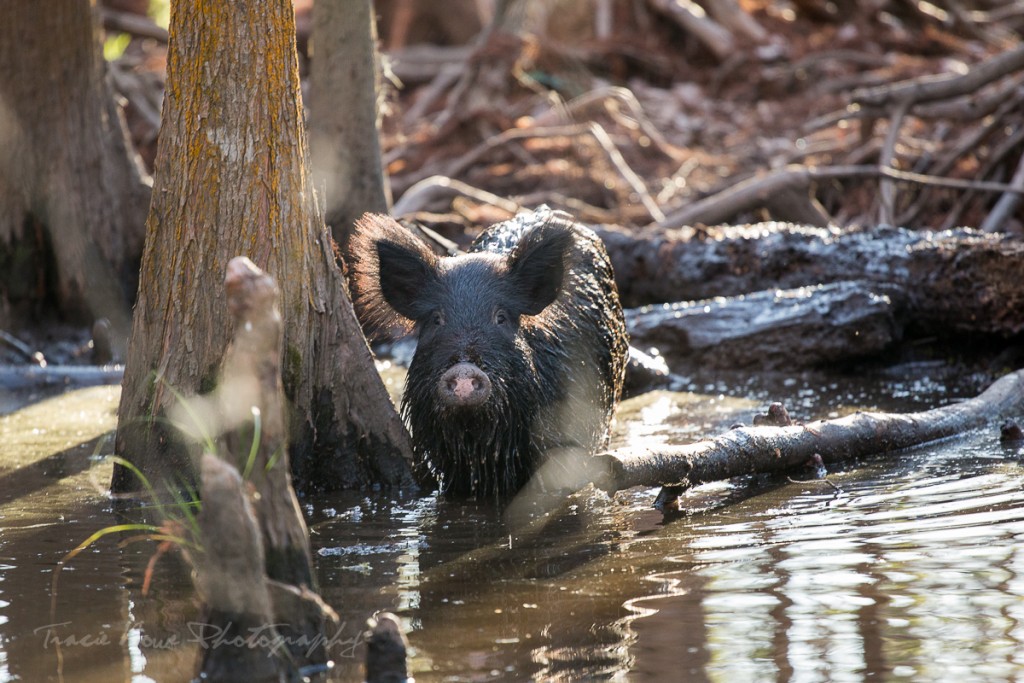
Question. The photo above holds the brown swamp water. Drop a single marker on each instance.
(911, 570)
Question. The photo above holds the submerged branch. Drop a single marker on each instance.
(753, 450)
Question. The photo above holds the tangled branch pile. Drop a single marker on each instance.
(659, 113)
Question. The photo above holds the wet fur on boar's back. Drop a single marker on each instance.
(521, 347)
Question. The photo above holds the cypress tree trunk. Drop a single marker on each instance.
(232, 179)
(72, 200)
(343, 114)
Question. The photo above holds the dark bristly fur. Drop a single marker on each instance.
(533, 306)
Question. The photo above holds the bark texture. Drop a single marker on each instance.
(771, 330)
(232, 178)
(343, 114)
(72, 200)
(957, 280)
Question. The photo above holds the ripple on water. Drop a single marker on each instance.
(913, 569)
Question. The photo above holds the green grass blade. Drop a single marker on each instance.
(105, 531)
(257, 428)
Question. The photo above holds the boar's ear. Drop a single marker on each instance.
(537, 265)
(392, 273)
(406, 274)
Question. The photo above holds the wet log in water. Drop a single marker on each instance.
(256, 571)
(33, 376)
(767, 449)
(959, 280)
(777, 329)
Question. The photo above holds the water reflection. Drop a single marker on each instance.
(907, 568)
(908, 571)
(916, 580)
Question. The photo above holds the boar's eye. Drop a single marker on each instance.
(437, 318)
(501, 317)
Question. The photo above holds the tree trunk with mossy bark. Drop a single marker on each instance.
(72, 199)
(232, 178)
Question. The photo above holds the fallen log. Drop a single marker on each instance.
(14, 377)
(955, 281)
(767, 449)
(771, 330)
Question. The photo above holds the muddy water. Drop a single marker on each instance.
(906, 567)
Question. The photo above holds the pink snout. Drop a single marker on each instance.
(464, 385)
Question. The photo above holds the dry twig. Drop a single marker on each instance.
(692, 18)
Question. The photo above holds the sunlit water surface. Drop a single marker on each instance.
(903, 567)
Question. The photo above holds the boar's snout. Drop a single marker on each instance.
(464, 385)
